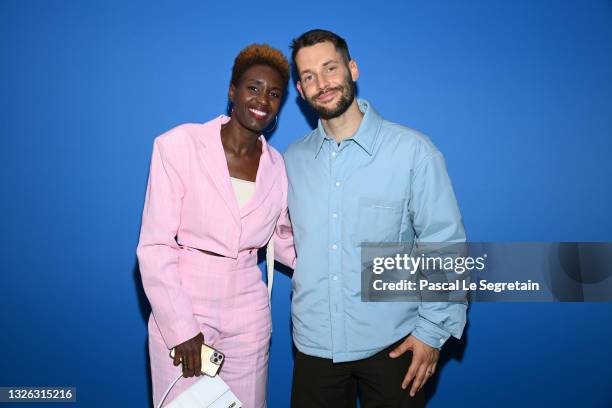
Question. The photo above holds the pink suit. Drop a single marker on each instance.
(190, 205)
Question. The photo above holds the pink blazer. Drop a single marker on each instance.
(190, 197)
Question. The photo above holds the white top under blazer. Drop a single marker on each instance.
(244, 189)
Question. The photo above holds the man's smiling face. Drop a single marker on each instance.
(326, 79)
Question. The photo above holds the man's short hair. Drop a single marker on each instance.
(317, 36)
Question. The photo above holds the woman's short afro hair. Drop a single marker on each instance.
(260, 54)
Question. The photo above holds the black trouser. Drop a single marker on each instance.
(319, 383)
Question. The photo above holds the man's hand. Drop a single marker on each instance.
(189, 354)
(423, 365)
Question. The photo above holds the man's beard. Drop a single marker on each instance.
(347, 95)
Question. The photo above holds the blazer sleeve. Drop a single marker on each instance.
(158, 252)
(284, 249)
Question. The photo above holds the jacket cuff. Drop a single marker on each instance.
(429, 333)
(179, 332)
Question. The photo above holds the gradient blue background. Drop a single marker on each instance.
(517, 95)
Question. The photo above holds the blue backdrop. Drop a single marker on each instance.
(517, 95)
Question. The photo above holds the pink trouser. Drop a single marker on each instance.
(230, 301)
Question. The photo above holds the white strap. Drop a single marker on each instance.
(270, 267)
(161, 402)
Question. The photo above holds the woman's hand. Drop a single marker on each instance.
(189, 354)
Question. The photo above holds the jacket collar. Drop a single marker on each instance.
(365, 136)
(216, 165)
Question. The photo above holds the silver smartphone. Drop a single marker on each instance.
(211, 360)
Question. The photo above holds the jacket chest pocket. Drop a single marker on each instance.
(379, 220)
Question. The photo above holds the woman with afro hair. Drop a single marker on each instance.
(217, 192)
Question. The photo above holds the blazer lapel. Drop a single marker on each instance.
(216, 164)
(266, 177)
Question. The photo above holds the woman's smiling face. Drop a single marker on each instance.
(257, 97)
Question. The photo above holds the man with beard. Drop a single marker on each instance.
(359, 178)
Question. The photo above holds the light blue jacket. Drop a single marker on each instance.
(387, 183)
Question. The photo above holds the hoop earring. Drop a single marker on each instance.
(273, 127)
